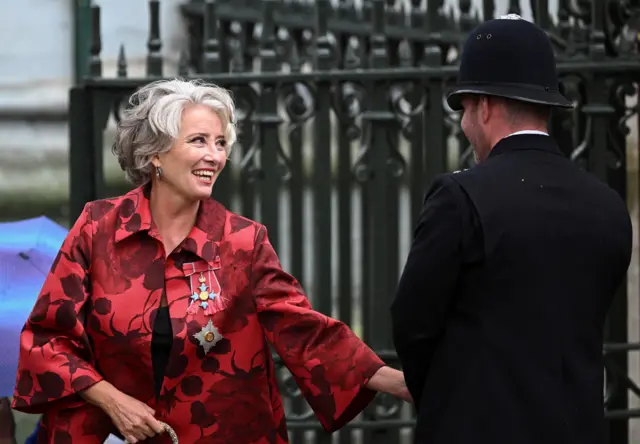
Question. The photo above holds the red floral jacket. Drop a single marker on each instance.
(94, 317)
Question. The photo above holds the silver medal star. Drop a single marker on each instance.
(209, 336)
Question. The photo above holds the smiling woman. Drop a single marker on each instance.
(164, 115)
(162, 304)
(198, 155)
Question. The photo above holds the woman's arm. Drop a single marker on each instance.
(337, 373)
(56, 360)
(55, 366)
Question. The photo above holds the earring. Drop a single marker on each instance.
(158, 173)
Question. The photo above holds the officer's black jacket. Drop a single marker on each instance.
(499, 312)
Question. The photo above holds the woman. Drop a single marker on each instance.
(162, 304)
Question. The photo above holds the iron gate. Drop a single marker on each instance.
(342, 125)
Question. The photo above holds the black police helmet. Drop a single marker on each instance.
(508, 57)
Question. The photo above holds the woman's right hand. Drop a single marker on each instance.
(134, 419)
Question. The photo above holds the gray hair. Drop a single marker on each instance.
(150, 125)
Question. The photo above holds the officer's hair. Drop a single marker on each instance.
(519, 112)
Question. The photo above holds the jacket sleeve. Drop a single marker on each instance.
(55, 360)
(329, 363)
(427, 284)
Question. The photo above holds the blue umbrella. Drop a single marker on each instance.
(27, 250)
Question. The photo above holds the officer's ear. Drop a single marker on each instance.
(485, 108)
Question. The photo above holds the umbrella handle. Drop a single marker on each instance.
(169, 430)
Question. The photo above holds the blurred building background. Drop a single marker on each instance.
(37, 68)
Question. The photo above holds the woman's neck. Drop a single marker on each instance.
(173, 216)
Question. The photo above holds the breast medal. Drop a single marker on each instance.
(208, 337)
(205, 287)
(202, 296)
(206, 298)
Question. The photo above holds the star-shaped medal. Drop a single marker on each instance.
(209, 336)
(203, 296)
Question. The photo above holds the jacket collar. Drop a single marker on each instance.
(525, 141)
(135, 217)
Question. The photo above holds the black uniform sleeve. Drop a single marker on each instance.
(442, 238)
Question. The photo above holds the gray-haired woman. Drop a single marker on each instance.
(181, 299)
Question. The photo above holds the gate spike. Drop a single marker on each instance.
(211, 53)
(514, 7)
(323, 51)
(378, 16)
(95, 63)
(183, 63)
(122, 63)
(154, 44)
(267, 51)
(347, 10)
(322, 17)
(488, 9)
(404, 10)
(417, 15)
(379, 53)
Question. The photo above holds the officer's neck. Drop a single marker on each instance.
(510, 130)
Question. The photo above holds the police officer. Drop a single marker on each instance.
(499, 312)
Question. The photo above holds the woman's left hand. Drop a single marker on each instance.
(403, 393)
(391, 381)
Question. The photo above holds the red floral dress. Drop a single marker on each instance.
(94, 319)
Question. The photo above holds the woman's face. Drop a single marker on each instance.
(192, 165)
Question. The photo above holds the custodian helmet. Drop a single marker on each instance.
(508, 57)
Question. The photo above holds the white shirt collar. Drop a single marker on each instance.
(540, 133)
